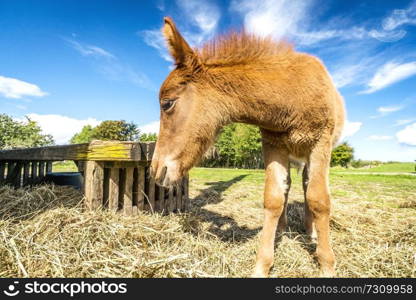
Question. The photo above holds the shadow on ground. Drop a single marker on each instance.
(224, 227)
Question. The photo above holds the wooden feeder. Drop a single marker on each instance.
(116, 175)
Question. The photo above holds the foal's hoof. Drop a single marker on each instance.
(256, 274)
(327, 273)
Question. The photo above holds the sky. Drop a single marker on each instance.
(66, 64)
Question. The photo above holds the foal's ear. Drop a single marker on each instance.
(178, 47)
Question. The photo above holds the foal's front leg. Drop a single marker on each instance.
(277, 165)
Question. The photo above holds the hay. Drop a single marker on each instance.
(45, 232)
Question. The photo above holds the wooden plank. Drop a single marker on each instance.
(185, 197)
(2, 171)
(34, 174)
(11, 165)
(106, 187)
(17, 175)
(48, 167)
(113, 190)
(161, 201)
(126, 164)
(42, 169)
(128, 192)
(151, 193)
(26, 170)
(141, 188)
(93, 184)
(179, 192)
(171, 204)
(96, 150)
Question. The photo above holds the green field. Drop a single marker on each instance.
(46, 232)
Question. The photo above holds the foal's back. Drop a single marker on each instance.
(307, 104)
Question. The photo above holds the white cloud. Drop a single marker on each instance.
(276, 18)
(110, 66)
(203, 15)
(380, 137)
(350, 128)
(155, 39)
(390, 73)
(403, 122)
(407, 135)
(15, 88)
(400, 17)
(62, 128)
(152, 127)
(90, 50)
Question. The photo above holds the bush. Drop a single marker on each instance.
(15, 134)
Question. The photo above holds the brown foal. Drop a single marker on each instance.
(240, 77)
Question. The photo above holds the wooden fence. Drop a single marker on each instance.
(116, 175)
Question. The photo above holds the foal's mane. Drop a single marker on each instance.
(239, 48)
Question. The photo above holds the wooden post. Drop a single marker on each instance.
(161, 202)
(93, 184)
(11, 165)
(171, 204)
(185, 199)
(151, 194)
(26, 169)
(2, 170)
(141, 188)
(179, 192)
(41, 170)
(113, 189)
(48, 167)
(128, 192)
(34, 172)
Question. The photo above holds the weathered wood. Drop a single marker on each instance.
(185, 198)
(17, 176)
(141, 188)
(113, 189)
(161, 200)
(11, 165)
(96, 150)
(128, 192)
(171, 204)
(42, 169)
(179, 192)
(106, 187)
(34, 174)
(126, 164)
(26, 170)
(48, 167)
(2, 171)
(151, 194)
(93, 184)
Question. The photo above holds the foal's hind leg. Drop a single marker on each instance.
(281, 226)
(277, 165)
(309, 224)
(317, 198)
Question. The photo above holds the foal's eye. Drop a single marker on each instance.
(168, 104)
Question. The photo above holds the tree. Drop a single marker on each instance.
(15, 134)
(238, 146)
(148, 137)
(108, 131)
(116, 130)
(342, 155)
(85, 136)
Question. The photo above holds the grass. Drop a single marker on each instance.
(45, 232)
(387, 168)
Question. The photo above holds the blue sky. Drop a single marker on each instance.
(70, 63)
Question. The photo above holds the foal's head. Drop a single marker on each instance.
(188, 121)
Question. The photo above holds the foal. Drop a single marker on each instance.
(289, 95)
